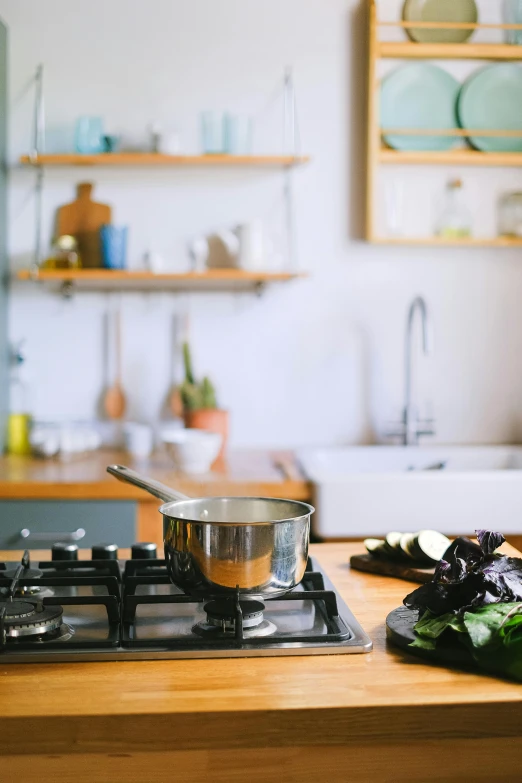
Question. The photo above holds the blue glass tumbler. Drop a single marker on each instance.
(114, 246)
(238, 134)
(89, 135)
(212, 132)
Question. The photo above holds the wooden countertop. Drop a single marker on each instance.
(270, 473)
(358, 717)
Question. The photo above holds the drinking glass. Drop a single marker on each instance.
(212, 132)
(89, 135)
(114, 246)
(238, 134)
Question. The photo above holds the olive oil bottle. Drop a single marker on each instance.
(19, 419)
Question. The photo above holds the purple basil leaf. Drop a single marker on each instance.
(429, 596)
(489, 541)
(470, 576)
(514, 586)
(466, 549)
(506, 573)
(450, 573)
(501, 564)
(509, 569)
(442, 571)
(459, 569)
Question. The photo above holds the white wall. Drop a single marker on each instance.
(317, 361)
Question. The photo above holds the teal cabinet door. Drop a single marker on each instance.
(37, 524)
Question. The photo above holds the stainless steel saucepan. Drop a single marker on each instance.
(213, 546)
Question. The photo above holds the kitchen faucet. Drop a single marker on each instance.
(411, 426)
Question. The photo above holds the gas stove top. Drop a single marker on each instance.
(67, 609)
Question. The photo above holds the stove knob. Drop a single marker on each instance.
(64, 552)
(104, 552)
(144, 551)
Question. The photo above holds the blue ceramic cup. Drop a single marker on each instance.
(114, 246)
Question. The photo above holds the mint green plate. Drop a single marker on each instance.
(439, 11)
(419, 95)
(491, 99)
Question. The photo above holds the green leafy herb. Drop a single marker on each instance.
(492, 634)
(474, 601)
(432, 627)
(488, 624)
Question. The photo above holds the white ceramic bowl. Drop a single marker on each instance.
(193, 451)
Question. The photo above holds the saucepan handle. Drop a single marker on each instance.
(151, 486)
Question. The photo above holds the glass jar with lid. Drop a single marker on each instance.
(64, 254)
(510, 215)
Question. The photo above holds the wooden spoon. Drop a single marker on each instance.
(175, 403)
(115, 401)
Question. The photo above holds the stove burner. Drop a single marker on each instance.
(16, 610)
(221, 619)
(23, 618)
(225, 610)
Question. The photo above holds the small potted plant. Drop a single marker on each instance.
(200, 410)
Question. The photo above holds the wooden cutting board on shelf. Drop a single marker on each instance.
(83, 219)
(376, 565)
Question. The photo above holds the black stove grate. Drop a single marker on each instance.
(65, 577)
(313, 589)
(99, 567)
(122, 588)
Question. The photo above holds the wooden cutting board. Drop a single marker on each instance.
(83, 219)
(376, 565)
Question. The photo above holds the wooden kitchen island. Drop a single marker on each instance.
(383, 716)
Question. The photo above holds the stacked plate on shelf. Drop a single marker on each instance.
(491, 99)
(419, 96)
(424, 96)
(452, 11)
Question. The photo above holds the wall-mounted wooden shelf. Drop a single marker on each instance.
(118, 280)
(156, 159)
(456, 157)
(449, 241)
(379, 154)
(403, 50)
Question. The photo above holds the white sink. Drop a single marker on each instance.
(364, 491)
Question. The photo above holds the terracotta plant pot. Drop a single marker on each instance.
(211, 419)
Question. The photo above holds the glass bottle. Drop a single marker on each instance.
(19, 420)
(455, 220)
(510, 215)
(512, 14)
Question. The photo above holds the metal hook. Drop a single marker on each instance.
(67, 289)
